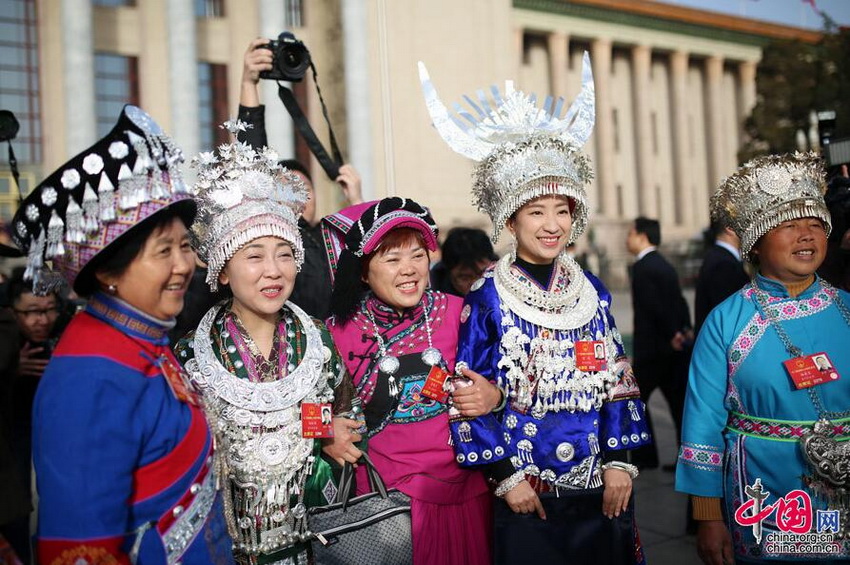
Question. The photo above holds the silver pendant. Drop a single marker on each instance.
(432, 356)
(388, 364)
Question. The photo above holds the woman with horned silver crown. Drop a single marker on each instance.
(556, 444)
(266, 371)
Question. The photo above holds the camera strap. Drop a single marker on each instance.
(329, 165)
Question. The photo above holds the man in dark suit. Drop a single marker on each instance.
(721, 274)
(662, 329)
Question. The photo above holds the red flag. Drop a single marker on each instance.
(812, 4)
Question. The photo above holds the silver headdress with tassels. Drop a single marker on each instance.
(242, 195)
(769, 190)
(523, 152)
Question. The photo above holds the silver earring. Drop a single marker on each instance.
(112, 289)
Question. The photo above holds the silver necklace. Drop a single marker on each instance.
(389, 364)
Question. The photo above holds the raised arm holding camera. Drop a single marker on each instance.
(313, 285)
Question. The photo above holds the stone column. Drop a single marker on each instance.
(183, 76)
(714, 107)
(746, 93)
(682, 192)
(519, 46)
(641, 60)
(279, 127)
(559, 45)
(358, 106)
(600, 53)
(78, 69)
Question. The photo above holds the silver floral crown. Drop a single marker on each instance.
(242, 195)
(523, 152)
(769, 190)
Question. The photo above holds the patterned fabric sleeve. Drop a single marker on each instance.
(623, 422)
(699, 471)
(481, 440)
(86, 447)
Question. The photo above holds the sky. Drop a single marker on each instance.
(789, 12)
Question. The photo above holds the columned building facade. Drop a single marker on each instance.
(673, 87)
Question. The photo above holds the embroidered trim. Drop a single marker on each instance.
(702, 457)
(781, 309)
(190, 521)
(783, 430)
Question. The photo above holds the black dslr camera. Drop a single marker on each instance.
(291, 59)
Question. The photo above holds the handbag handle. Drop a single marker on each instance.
(346, 481)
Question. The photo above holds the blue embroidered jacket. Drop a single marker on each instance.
(562, 448)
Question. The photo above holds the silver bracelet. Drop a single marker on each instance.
(622, 466)
(508, 484)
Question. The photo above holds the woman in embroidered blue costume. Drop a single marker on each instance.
(392, 332)
(764, 446)
(533, 325)
(122, 451)
(260, 363)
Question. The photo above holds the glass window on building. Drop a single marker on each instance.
(212, 104)
(116, 83)
(209, 8)
(19, 86)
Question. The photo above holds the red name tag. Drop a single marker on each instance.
(590, 356)
(178, 382)
(811, 370)
(316, 420)
(435, 385)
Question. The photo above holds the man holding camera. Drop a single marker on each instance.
(313, 285)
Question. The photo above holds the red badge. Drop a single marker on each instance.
(178, 382)
(590, 356)
(811, 370)
(316, 420)
(435, 385)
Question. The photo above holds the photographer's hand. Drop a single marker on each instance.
(253, 63)
(349, 180)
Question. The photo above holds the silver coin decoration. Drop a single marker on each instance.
(299, 511)
(565, 451)
(272, 450)
(432, 356)
(388, 364)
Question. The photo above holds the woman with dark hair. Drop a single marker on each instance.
(121, 448)
(557, 447)
(393, 333)
(266, 371)
(767, 415)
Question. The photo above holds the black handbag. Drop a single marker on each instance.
(575, 531)
(373, 528)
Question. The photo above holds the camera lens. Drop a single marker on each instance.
(294, 60)
(9, 125)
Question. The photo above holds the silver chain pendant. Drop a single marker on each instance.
(388, 364)
(432, 356)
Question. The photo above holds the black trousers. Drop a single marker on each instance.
(670, 374)
(575, 531)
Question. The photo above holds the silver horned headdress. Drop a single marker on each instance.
(769, 190)
(523, 152)
(242, 195)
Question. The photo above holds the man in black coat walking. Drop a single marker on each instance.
(662, 329)
(721, 274)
